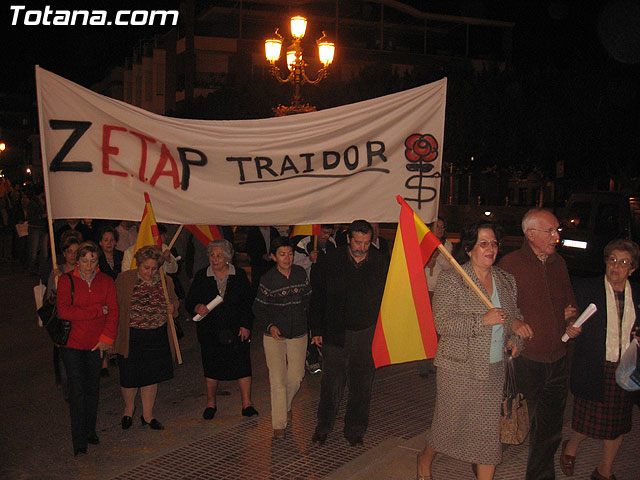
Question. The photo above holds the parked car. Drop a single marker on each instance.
(589, 221)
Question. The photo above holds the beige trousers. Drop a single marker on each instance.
(285, 360)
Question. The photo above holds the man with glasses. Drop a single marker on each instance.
(547, 303)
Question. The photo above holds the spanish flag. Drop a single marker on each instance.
(205, 233)
(313, 229)
(405, 331)
(148, 233)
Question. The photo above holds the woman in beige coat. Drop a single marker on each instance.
(470, 355)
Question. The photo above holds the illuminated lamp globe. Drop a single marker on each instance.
(326, 50)
(291, 59)
(298, 27)
(272, 47)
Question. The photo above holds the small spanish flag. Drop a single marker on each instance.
(148, 233)
(405, 330)
(205, 233)
(312, 229)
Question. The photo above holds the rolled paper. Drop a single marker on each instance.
(584, 316)
(210, 306)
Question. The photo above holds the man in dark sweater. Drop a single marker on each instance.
(547, 303)
(347, 287)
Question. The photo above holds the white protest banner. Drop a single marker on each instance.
(332, 166)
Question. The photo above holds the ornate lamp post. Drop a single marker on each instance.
(295, 62)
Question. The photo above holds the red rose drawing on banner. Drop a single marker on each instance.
(421, 147)
(421, 152)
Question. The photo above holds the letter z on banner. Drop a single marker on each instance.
(100, 155)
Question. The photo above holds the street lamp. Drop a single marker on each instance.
(295, 62)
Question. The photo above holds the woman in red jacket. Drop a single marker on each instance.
(90, 304)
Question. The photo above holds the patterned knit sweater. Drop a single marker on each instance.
(284, 302)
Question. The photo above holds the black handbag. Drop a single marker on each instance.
(58, 328)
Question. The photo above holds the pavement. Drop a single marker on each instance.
(35, 439)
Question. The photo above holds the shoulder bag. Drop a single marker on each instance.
(514, 415)
(627, 374)
(57, 327)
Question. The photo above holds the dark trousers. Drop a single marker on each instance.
(351, 365)
(83, 377)
(545, 386)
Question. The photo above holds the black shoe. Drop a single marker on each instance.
(153, 424)
(319, 438)
(76, 451)
(104, 372)
(126, 421)
(209, 413)
(355, 440)
(249, 411)
(93, 439)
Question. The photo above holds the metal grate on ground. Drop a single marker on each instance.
(400, 407)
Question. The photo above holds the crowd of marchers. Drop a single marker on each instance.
(315, 302)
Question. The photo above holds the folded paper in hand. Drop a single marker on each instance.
(584, 316)
(210, 306)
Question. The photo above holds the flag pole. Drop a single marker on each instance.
(465, 276)
(172, 326)
(175, 237)
(45, 175)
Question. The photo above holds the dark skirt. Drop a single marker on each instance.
(605, 420)
(225, 362)
(149, 360)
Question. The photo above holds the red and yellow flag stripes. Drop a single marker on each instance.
(313, 229)
(405, 331)
(205, 233)
(148, 233)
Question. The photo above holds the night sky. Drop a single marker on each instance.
(84, 54)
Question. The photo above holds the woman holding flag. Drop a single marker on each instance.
(143, 344)
(470, 355)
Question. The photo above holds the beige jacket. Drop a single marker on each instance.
(124, 289)
(465, 343)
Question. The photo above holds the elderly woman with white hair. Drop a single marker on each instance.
(223, 332)
(601, 409)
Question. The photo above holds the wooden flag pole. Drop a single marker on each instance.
(175, 237)
(465, 276)
(45, 178)
(172, 326)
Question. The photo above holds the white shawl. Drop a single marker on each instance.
(618, 338)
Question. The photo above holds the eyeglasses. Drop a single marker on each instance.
(550, 232)
(613, 261)
(485, 244)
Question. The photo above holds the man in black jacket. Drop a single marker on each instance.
(347, 287)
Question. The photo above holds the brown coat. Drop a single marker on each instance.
(544, 290)
(124, 289)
